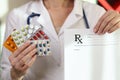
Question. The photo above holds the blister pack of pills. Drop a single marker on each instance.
(26, 33)
(10, 44)
(32, 29)
(39, 34)
(19, 36)
(33, 33)
(43, 47)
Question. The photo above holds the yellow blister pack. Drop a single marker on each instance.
(10, 44)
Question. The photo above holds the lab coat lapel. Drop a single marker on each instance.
(72, 19)
(74, 16)
(44, 19)
(48, 28)
(89, 13)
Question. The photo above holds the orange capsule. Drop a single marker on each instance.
(12, 46)
(41, 32)
(8, 43)
(15, 48)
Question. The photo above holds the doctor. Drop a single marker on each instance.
(55, 16)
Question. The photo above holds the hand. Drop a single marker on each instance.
(109, 22)
(22, 59)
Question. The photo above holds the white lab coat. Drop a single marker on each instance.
(50, 67)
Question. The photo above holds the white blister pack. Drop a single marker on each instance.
(19, 36)
(32, 29)
(43, 47)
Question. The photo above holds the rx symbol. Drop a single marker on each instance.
(78, 38)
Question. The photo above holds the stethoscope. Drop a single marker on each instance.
(32, 15)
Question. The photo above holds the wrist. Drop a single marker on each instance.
(15, 75)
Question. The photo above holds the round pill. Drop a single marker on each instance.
(31, 26)
(13, 34)
(15, 48)
(45, 52)
(35, 38)
(17, 32)
(8, 43)
(40, 45)
(41, 32)
(28, 36)
(48, 49)
(46, 37)
(22, 40)
(20, 36)
(44, 45)
(12, 46)
(18, 43)
(40, 50)
(36, 27)
(25, 33)
(38, 35)
(26, 27)
(15, 38)
(22, 29)
(47, 42)
(43, 42)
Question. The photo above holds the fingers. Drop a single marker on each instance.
(28, 57)
(104, 23)
(26, 61)
(114, 28)
(21, 48)
(101, 20)
(107, 21)
(26, 66)
(22, 54)
(26, 51)
(112, 24)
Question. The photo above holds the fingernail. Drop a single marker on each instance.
(109, 31)
(103, 32)
(98, 32)
(95, 30)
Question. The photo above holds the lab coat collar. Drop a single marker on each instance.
(78, 10)
(77, 13)
(35, 7)
(78, 7)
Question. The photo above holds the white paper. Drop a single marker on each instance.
(94, 57)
